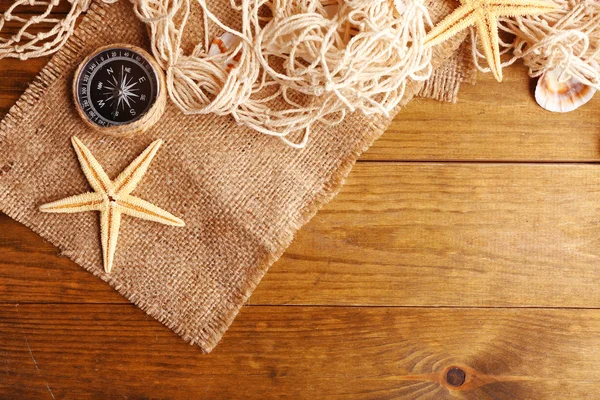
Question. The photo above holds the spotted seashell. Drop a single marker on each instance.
(556, 95)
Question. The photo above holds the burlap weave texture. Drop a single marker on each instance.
(242, 194)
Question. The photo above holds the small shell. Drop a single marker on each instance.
(400, 6)
(224, 43)
(556, 96)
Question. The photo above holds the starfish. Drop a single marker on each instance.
(483, 15)
(112, 198)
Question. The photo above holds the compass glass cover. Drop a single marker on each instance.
(116, 86)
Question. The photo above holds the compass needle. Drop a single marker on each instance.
(118, 89)
(126, 99)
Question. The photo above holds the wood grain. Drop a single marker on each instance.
(31, 270)
(449, 234)
(99, 352)
(426, 280)
(400, 234)
(491, 122)
(63, 7)
(16, 77)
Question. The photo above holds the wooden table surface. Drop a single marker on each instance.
(460, 260)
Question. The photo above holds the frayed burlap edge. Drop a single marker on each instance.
(446, 80)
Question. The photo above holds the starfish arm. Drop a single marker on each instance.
(127, 180)
(91, 167)
(487, 28)
(143, 209)
(512, 8)
(460, 19)
(74, 204)
(110, 221)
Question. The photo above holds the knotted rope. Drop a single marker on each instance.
(568, 39)
(296, 62)
(24, 44)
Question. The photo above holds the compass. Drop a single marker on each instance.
(119, 90)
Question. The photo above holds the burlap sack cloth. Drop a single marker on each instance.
(243, 195)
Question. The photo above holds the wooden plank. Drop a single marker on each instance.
(7, 100)
(491, 122)
(13, 27)
(449, 234)
(16, 77)
(63, 7)
(31, 270)
(99, 352)
(400, 234)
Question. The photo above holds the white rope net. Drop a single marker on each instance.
(38, 33)
(293, 63)
(568, 39)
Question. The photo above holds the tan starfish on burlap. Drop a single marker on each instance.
(483, 15)
(112, 198)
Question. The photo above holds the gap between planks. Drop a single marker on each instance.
(483, 162)
(127, 304)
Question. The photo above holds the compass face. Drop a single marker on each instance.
(116, 86)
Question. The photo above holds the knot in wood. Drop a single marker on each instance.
(456, 376)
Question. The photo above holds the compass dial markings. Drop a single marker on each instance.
(108, 99)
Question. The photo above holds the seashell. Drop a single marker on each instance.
(556, 96)
(223, 44)
(400, 6)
